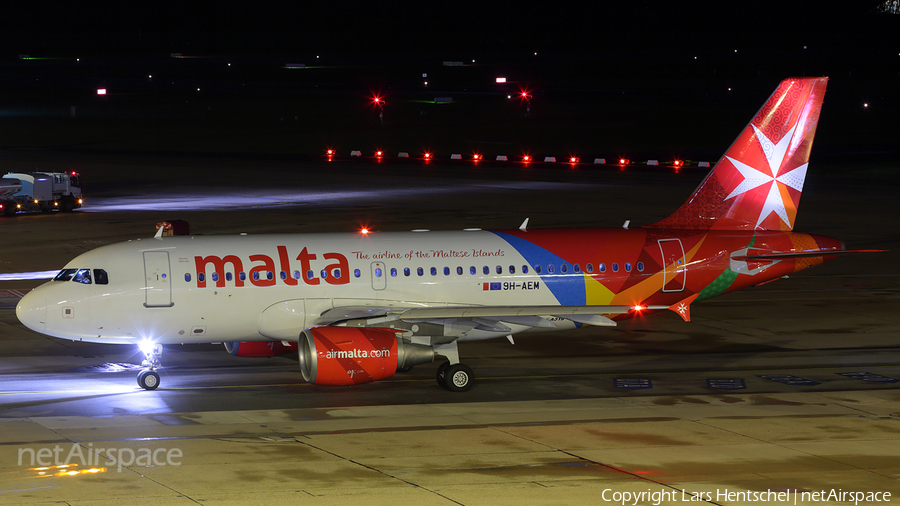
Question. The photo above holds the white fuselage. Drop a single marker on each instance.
(245, 288)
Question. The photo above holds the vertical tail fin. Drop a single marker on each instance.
(757, 184)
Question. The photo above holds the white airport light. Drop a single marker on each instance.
(501, 79)
(101, 91)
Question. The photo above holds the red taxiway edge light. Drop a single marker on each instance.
(427, 156)
(379, 153)
(476, 157)
(526, 158)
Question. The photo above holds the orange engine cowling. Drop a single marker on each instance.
(260, 348)
(354, 355)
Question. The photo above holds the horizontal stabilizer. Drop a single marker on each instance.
(804, 254)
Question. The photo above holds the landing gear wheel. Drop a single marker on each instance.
(441, 374)
(148, 380)
(458, 378)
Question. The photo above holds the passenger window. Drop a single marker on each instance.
(356, 273)
(255, 275)
(473, 270)
(215, 276)
(377, 272)
(420, 271)
(336, 273)
(201, 277)
(82, 276)
(499, 269)
(434, 271)
(227, 276)
(270, 275)
(459, 270)
(627, 266)
(524, 269)
(602, 267)
(563, 268)
(486, 270)
(309, 274)
(296, 274)
(576, 267)
(393, 272)
(550, 268)
(615, 267)
(100, 277)
(446, 271)
(324, 273)
(512, 269)
(406, 271)
(537, 268)
(283, 275)
(589, 267)
(640, 266)
(187, 277)
(65, 274)
(242, 276)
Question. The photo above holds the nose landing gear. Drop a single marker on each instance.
(148, 379)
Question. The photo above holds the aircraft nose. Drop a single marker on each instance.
(32, 310)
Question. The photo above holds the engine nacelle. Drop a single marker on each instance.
(354, 355)
(260, 348)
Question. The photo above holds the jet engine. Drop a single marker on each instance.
(354, 355)
(260, 348)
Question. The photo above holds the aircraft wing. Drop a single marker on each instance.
(487, 317)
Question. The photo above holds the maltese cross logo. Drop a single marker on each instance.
(769, 179)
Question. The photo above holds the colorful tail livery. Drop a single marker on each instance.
(359, 307)
(757, 184)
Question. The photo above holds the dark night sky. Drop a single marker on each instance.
(439, 29)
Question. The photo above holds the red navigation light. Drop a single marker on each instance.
(638, 308)
(364, 231)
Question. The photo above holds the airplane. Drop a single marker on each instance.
(359, 307)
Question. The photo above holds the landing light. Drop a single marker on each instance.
(146, 346)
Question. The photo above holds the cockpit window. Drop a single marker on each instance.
(82, 276)
(100, 277)
(65, 275)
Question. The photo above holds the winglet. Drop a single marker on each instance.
(683, 308)
(159, 233)
(524, 226)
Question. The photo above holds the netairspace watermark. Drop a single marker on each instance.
(88, 456)
(789, 496)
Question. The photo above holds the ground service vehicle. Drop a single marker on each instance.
(39, 191)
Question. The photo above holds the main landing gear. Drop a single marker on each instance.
(452, 375)
(455, 377)
(148, 379)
